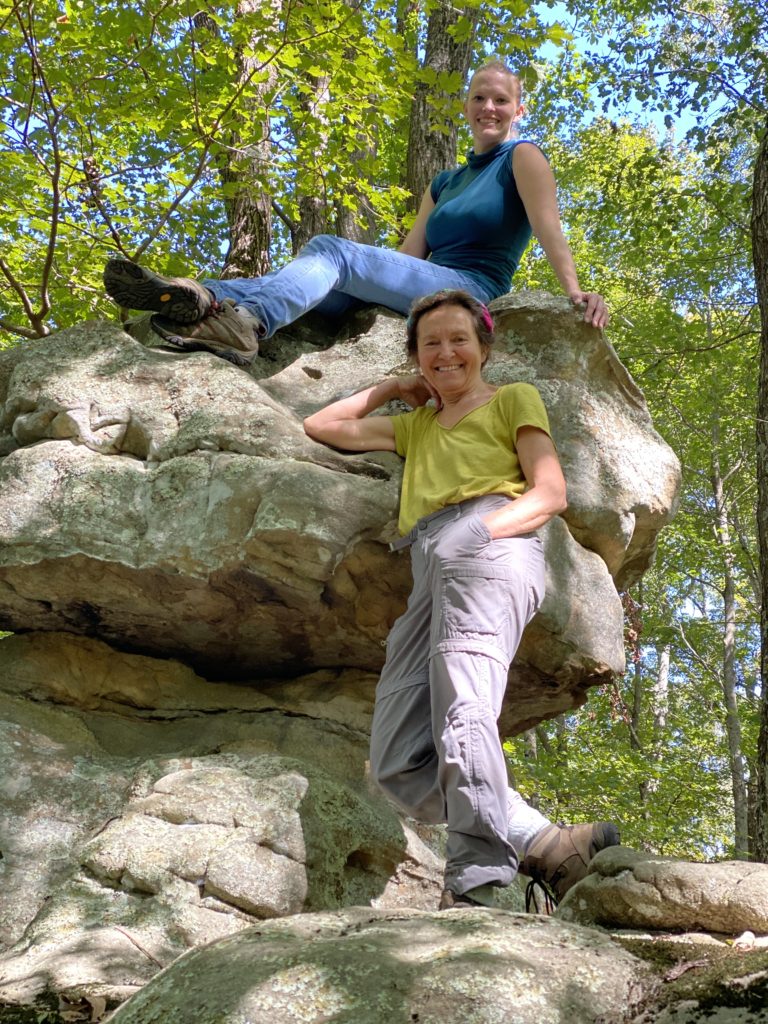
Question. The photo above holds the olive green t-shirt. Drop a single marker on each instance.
(476, 456)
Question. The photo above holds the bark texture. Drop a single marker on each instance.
(433, 133)
(728, 676)
(314, 210)
(347, 216)
(248, 207)
(760, 257)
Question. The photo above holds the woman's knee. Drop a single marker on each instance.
(322, 244)
(415, 793)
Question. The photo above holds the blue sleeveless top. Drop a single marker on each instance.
(479, 225)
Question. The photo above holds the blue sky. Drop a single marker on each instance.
(634, 110)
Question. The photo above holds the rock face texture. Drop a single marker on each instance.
(368, 967)
(199, 596)
(635, 890)
(144, 811)
(171, 505)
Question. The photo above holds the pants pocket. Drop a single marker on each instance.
(476, 600)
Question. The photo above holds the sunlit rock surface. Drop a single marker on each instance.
(170, 504)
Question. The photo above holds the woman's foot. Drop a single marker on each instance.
(179, 299)
(483, 896)
(230, 331)
(558, 856)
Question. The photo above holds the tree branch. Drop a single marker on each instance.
(22, 332)
(281, 213)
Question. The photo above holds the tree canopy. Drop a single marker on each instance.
(222, 137)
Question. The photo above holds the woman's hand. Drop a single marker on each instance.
(596, 311)
(536, 186)
(415, 391)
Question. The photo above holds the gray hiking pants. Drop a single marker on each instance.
(435, 748)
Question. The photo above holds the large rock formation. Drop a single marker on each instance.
(384, 968)
(199, 596)
(144, 810)
(171, 504)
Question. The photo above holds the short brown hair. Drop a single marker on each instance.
(449, 297)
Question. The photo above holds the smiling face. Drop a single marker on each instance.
(449, 352)
(492, 107)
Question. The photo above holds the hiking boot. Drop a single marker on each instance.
(225, 332)
(483, 896)
(558, 856)
(179, 299)
(250, 318)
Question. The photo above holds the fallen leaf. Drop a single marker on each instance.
(98, 1007)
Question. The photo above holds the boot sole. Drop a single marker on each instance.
(134, 288)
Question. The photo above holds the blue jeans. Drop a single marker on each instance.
(339, 271)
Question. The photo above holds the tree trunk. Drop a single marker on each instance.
(316, 214)
(433, 132)
(638, 685)
(760, 257)
(532, 754)
(314, 211)
(659, 710)
(728, 676)
(357, 224)
(247, 205)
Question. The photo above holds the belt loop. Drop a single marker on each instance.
(402, 542)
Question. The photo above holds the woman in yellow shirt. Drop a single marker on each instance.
(481, 475)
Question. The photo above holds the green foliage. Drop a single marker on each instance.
(115, 121)
(592, 772)
(113, 126)
(663, 232)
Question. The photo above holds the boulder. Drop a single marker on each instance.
(623, 479)
(144, 811)
(367, 967)
(627, 889)
(200, 596)
(171, 505)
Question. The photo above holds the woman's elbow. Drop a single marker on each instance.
(313, 429)
(563, 499)
(559, 499)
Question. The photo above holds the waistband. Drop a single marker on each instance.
(427, 524)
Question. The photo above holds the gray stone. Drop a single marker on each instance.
(130, 833)
(204, 593)
(623, 479)
(625, 888)
(368, 967)
(700, 979)
(171, 504)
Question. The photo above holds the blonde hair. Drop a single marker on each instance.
(496, 64)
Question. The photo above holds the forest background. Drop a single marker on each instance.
(220, 138)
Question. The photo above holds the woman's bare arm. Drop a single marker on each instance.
(536, 185)
(545, 496)
(415, 242)
(347, 424)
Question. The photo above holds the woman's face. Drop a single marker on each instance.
(491, 108)
(448, 351)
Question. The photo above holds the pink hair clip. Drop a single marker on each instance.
(487, 318)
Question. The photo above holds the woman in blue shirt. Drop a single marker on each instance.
(470, 232)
